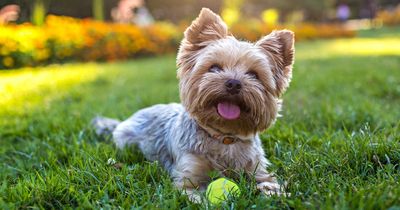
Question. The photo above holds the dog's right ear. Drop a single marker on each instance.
(207, 27)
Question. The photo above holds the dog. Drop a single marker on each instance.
(230, 91)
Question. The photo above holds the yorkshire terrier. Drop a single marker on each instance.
(230, 91)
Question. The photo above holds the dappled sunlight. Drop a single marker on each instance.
(22, 90)
(366, 46)
(388, 46)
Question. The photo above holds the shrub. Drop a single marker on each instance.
(254, 29)
(61, 39)
(389, 17)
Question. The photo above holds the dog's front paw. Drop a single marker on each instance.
(193, 195)
(270, 188)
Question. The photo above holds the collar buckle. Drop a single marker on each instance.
(228, 140)
(224, 139)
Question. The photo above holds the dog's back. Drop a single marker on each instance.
(149, 128)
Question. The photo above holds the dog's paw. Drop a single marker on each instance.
(193, 195)
(270, 188)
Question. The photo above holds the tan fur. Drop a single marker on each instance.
(206, 43)
(279, 47)
(204, 29)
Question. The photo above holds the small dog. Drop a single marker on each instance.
(230, 92)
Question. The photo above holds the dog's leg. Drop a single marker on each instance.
(191, 174)
(266, 182)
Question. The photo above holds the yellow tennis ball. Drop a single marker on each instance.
(220, 189)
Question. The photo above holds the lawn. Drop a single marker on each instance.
(337, 144)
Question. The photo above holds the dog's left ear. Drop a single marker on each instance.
(279, 48)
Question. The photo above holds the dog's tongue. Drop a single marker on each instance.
(228, 110)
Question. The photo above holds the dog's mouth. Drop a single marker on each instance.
(230, 110)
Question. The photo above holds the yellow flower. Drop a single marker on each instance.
(8, 61)
(270, 16)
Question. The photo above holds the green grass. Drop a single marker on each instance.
(337, 145)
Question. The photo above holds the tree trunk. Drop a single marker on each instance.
(38, 12)
(98, 9)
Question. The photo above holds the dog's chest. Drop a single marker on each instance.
(235, 156)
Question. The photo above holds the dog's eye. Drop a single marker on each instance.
(215, 68)
(252, 74)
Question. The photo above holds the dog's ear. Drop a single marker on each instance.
(279, 48)
(207, 27)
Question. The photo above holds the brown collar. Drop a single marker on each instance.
(226, 139)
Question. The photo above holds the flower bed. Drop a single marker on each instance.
(254, 29)
(389, 17)
(63, 39)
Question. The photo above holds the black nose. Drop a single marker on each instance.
(233, 86)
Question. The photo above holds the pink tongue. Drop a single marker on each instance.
(228, 111)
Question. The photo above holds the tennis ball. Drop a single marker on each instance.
(220, 189)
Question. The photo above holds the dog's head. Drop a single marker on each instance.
(233, 85)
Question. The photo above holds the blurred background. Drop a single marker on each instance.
(185, 10)
(36, 32)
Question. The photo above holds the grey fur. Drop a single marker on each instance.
(104, 126)
(166, 133)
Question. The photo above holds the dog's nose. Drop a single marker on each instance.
(233, 86)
